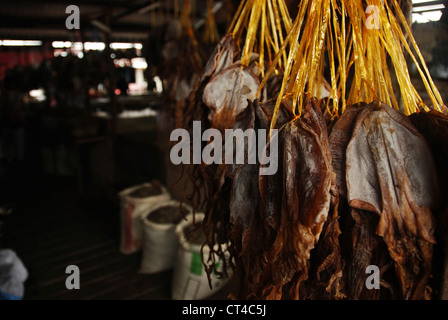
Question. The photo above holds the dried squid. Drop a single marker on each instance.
(389, 172)
(433, 126)
(292, 213)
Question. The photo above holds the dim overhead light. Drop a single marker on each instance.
(425, 17)
(38, 94)
(427, 11)
(95, 45)
(428, 8)
(57, 44)
(100, 46)
(61, 44)
(139, 63)
(20, 43)
(121, 45)
(125, 45)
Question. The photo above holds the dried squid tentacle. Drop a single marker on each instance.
(295, 205)
(433, 125)
(390, 171)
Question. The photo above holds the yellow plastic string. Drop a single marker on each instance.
(251, 33)
(277, 26)
(292, 37)
(237, 19)
(317, 51)
(339, 30)
(390, 36)
(426, 77)
(264, 32)
(334, 85)
(267, 23)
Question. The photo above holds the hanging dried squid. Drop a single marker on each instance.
(282, 227)
(386, 168)
(433, 125)
(366, 193)
(230, 79)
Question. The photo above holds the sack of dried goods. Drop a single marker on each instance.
(134, 202)
(159, 239)
(190, 277)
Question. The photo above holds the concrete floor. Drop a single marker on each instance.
(52, 226)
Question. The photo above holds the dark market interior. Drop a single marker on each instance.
(86, 114)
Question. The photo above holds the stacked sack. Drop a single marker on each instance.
(190, 280)
(159, 239)
(134, 202)
(164, 230)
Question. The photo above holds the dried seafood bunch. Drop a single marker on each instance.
(297, 218)
(231, 78)
(289, 212)
(379, 154)
(360, 174)
(386, 188)
(386, 184)
(387, 175)
(433, 125)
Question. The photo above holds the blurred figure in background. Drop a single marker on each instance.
(12, 122)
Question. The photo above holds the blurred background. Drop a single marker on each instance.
(84, 114)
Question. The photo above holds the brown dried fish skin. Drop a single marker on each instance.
(339, 139)
(227, 93)
(433, 125)
(223, 56)
(390, 171)
(294, 205)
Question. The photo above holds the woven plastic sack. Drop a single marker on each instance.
(190, 280)
(131, 210)
(159, 239)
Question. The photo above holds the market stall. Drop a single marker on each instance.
(205, 149)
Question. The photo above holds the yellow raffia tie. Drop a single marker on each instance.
(321, 29)
(261, 26)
